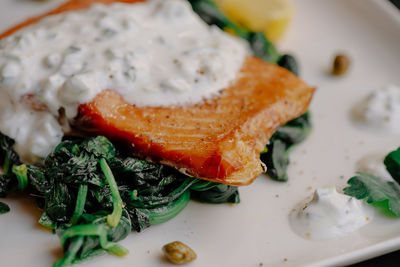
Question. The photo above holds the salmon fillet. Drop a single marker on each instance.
(218, 140)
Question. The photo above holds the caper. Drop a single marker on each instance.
(341, 64)
(179, 253)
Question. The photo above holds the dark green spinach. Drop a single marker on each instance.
(276, 154)
(289, 62)
(8, 158)
(259, 44)
(392, 163)
(93, 195)
(4, 208)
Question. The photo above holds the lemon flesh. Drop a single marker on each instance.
(269, 16)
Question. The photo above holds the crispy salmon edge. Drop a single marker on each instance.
(249, 137)
(253, 165)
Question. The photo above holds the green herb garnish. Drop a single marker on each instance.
(94, 195)
(382, 194)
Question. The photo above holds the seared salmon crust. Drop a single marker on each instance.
(218, 140)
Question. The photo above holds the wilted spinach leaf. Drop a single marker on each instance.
(210, 192)
(93, 195)
(8, 158)
(263, 48)
(209, 12)
(276, 154)
(7, 153)
(276, 158)
(259, 44)
(4, 208)
(392, 163)
(289, 62)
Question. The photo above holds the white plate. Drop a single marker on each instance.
(257, 230)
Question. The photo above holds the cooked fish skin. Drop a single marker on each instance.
(218, 140)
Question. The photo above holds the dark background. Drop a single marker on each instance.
(391, 259)
(396, 3)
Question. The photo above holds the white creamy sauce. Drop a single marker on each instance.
(381, 109)
(329, 214)
(373, 164)
(157, 53)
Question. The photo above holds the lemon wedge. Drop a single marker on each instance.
(269, 16)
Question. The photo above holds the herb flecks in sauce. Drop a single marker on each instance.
(156, 53)
(72, 188)
(328, 215)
